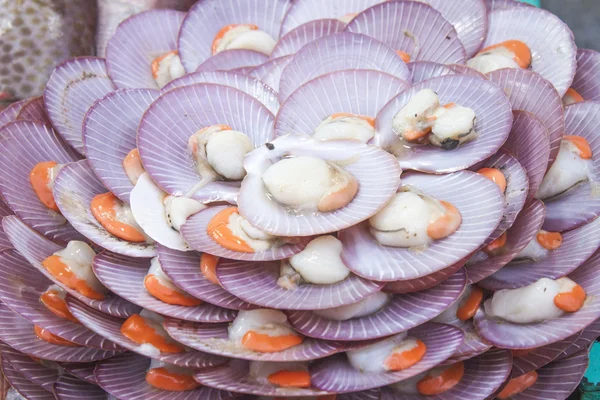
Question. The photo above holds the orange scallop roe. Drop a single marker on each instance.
(284, 378)
(208, 267)
(521, 52)
(585, 151)
(155, 66)
(572, 97)
(57, 305)
(168, 295)
(496, 244)
(49, 337)
(341, 198)
(63, 273)
(132, 164)
(495, 175)
(518, 385)
(446, 224)
(162, 378)
(403, 55)
(39, 178)
(137, 330)
(264, 343)
(450, 377)
(219, 231)
(571, 301)
(103, 209)
(398, 361)
(549, 240)
(367, 119)
(470, 305)
(219, 36)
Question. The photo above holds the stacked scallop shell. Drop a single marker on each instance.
(335, 56)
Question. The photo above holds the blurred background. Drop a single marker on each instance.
(582, 16)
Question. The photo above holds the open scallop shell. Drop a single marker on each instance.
(125, 378)
(233, 60)
(530, 92)
(333, 93)
(74, 188)
(137, 42)
(587, 77)
(544, 33)
(36, 248)
(5, 244)
(425, 282)
(335, 373)
(10, 113)
(492, 5)
(584, 340)
(18, 333)
(72, 88)
(523, 231)
(24, 145)
(480, 203)
(36, 372)
(528, 143)
(423, 70)
(578, 245)
(581, 204)
(71, 388)
(270, 72)
(376, 171)
(82, 371)
(295, 39)
(22, 385)
(472, 346)
(205, 19)
(109, 134)
(34, 110)
(517, 336)
(493, 124)
(124, 276)
(175, 116)
(110, 328)
(466, 70)
(214, 339)
(390, 319)
(21, 289)
(256, 283)
(338, 52)
(415, 28)
(184, 270)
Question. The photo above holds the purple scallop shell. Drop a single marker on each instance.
(528, 143)
(333, 93)
(205, 19)
(372, 394)
(530, 92)
(480, 203)
(256, 283)
(195, 234)
(523, 231)
(109, 134)
(36, 372)
(584, 340)
(494, 120)
(214, 339)
(36, 248)
(124, 276)
(10, 113)
(5, 244)
(240, 61)
(338, 52)
(465, 70)
(21, 289)
(137, 42)
(544, 33)
(22, 385)
(558, 379)
(376, 171)
(395, 317)
(71, 388)
(82, 371)
(500, 4)
(483, 375)
(587, 77)
(74, 188)
(184, 270)
(110, 327)
(125, 378)
(425, 282)
(72, 88)
(24, 145)
(413, 27)
(472, 346)
(303, 12)
(580, 204)
(423, 70)
(235, 376)
(517, 336)
(271, 73)
(335, 373)
(295, 39)
(34, 110)
(247, 84)
(578, 245)
(175, 116)
(18, 333)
